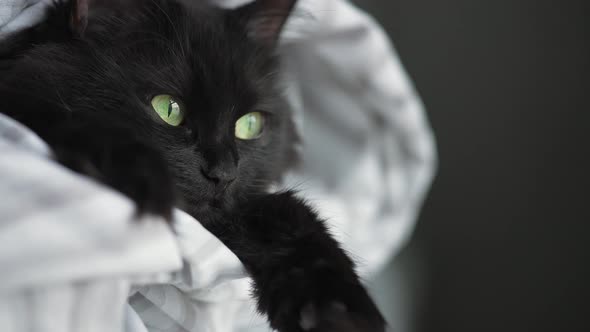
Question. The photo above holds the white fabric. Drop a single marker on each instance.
(20, 14)
(73, 253)
(368, 151)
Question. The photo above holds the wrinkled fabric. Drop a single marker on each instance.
(78, 261)
(69, 248)
(368, 152)
(21, 14)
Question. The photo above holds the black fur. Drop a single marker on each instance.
(86, 91)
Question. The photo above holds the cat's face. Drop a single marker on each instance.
(195, 81)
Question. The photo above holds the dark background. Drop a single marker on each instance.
(503, 240)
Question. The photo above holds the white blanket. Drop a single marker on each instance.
(72, 258)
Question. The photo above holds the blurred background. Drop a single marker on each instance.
(503, 242)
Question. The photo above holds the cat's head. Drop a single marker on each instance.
(199, 82)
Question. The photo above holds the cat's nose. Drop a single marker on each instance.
(221, 176)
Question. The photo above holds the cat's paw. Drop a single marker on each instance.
(326, 302)
(338, 316)
(132, 168)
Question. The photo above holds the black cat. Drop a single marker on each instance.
(178, 103)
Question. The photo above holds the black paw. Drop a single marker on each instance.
(337, 316)
(126, 165)
(303, 280)
(326, 301)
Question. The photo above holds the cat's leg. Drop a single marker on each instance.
(303, 279)
(93, 145)
(114, 157)
(119, 160)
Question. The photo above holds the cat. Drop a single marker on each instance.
(179, 104)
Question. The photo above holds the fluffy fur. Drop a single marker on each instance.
(84, 81)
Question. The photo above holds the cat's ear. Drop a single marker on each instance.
(78, 17)
(64, 20)
(264, 19)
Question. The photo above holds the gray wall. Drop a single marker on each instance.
(503, 242)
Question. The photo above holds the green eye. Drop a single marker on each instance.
(168, 109)
(250, 126)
